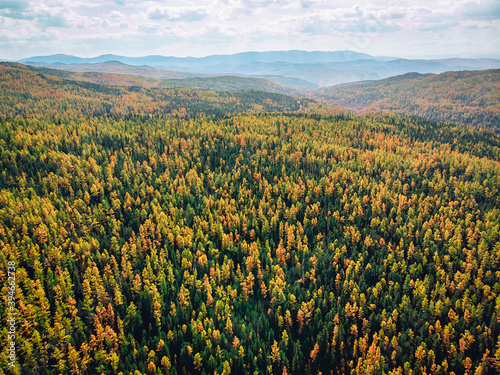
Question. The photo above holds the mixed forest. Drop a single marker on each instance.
(464, 97)
(31, 94)
(219, 83)
(175, 231)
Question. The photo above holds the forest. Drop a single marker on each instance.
(464, 97)
(213, 83)
(30, 94)
(175, 231)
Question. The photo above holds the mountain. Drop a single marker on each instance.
(467, 64)
(295, 83)
(467, 97)
(317, 67)
(181, 78)
(156, 60)
(319, 74)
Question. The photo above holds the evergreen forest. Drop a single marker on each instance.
(178, 231)
(463, 97)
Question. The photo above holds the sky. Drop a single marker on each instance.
(411, 29)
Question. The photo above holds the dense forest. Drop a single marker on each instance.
(213, 83)
(28, 93)
(293, 242)
(465, 97)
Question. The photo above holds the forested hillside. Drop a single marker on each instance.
(114, 67)
(469, 98)
(251, 243)
(29, 94)
(465, 97)
(217, 83)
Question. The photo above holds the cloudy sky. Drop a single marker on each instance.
(88, 28)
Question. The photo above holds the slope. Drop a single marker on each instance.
(116, 73)
(466, 97)
(27, 93)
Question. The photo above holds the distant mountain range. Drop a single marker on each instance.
(298, 69)
(296, 57)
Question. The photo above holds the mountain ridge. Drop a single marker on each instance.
(320, 68)
(255, 56)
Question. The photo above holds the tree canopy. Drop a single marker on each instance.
(248, 243)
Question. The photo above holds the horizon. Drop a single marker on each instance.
(427, 30)
(430, 57)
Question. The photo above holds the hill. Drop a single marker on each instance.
(118, 74)
(118, 67)
(30, 93)
(466, 97)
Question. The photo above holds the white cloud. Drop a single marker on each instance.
(116, 14)
(14, 5)
(188, 14)
(148, 28)
(225, 26)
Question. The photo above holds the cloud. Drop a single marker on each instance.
(15, 5)
(188, 14)
(438, 26)
(482, 11)
(16, 15)
(353, 12)
(45, 20)
(147, 28)
(342, 20)
(450, 20)
(397, 16)
(16, 9)
(225, 26)
(116, 14)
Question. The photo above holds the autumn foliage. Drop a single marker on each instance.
(248, 243)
